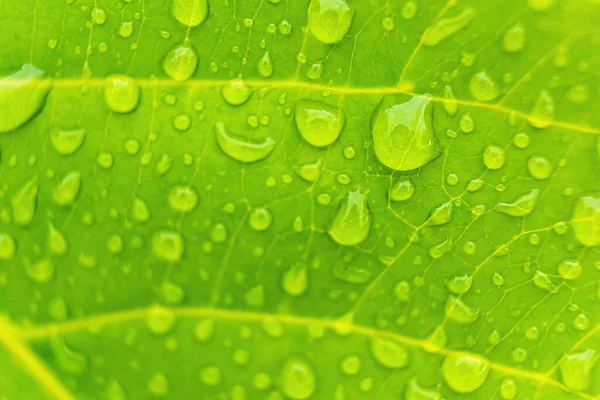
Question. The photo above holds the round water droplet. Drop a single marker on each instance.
(539, 166)
(483, 87)
(570, 268)
(190, 12)
(168, 245)
(183, 198)
(158, 385)
(585, 219)
(352, 222)
(319, 124)
(121, 93)
(298, 379)
(389, 353)
(508, 389)
(67, 141)
(402, 189)
(160, 320)
(329, 20)
(181, 61)
(464, 373)
(236, 92)
(493, 157)
(260, 219)
(210, 375)
(98, 16)
(514, 38)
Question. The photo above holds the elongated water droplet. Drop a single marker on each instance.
(181, 61)
(298, 380)
(121, 93)
(310, 172)
(442, 214)
(236, 92)
(483, 87)
(22, 96)
(458, 311)
(8, 246)
(439, 250)
(542, 112)
(414, 391)
(329, 20)
(389, 353)
(447, 27)
(190, 12)
(450, 102)
(168, 245)
(522, 206)
(543, 281)
(242, 149)
(351, 273)
(68, 359)
(576, 369)
(24, 202)
(514, 38)
(67, 189)
(585, 219)
(319, 124)
(139, 210)
(352, 222)
(265, 65)
(67, 141)
(295, 280)
(464, 373)
(57, 243)
(403, 133)
(402, 189)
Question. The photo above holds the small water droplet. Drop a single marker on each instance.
(464, 373)
(483, 87)
(389, 353)
(183, 198)
(493, 157)
(542, 112)
(310, 172)
(24, 202)
(352, 222)
(260, 219)
(539, 166)
(457, 311)
(67, 189)
(265, 65)
(319, 124)
(514, 38)
(295, 280)
(441, 215)
(298, 379)
(168, 245)
(402, 189)
(459, 284)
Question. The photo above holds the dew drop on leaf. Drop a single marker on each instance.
(181, 61)
(298, 379)
(539, 166)
(466, 124)
(585, 219)
(160, 320)
(139, 210)
(204, 329)
(295, 280)
(352, 222)
(457, 311)
(442, 248)
(459, 284)
(66, 190)
(493, 157)
(126, 29)
(41, 271)
(514, 38)
(402, 189)
(68, 359)
(414, 391)
(389, 353)
(446, 27)
(310, 172)
(190, 12)
(319, 124)
(236, 92)
(67, 141)
(441, 215)
(158, 385)
(576, 369)
(183, 198)
(329, 20)
(403, 134)
(542, 112)
(569, 268)
(483, 87)
(464, 373)
(449, 101)
(121, 93)
(540, 5)
(168, 245)
(508, 389)
(265, 65)
(8, 246)
(522, 206)
(242, 149)
(260, 219)
(24, 202)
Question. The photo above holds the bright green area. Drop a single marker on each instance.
(294, 199)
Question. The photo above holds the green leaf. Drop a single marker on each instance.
(299, 199)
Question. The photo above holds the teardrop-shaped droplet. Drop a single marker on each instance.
(298, 380)
(329, 20)
(514, 38)
(160, 320)
(483, 87)
(236, 92)
(542, 112)
(8, 246)
(265, 65)
(569, 268)
(295, 280)
(139, 210)
(57, 242)
(351, 273)
(494, 157)
(319, 124)
(441, 215)
(24, 202)
(121, 93)
(450, 102)
(67, 141)
(585, 219)
(242, 149)
(402, 189)
(22, 96)
(260, 219)
(457, 311)
(352, 222)
(522, 206)
(403, 133)
(66, 190)
(464, 373)
(310, 172)
(389, 353)
(168, 245)
(41, 271)
(181, 61)
(190, 12)
(576, 369)
(447, 27)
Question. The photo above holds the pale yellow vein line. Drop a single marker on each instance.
(339, 325)
(10, 340)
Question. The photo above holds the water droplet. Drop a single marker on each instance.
(68, 359)
(457, 311)
(67, 141)
(441, 215)
(542, 112)
(121, 93)
(126, 29)
(409, 9)
(204, 329)
(8, 246)
(540, 5)
(310, 172)
(158, 385)
(190, 12)
(581, 322)
(298, 379)
(41, 271)
(182, 122)
(439, 250)
(319, 124)
(493, 157)
(139, 210)
(242, 149)
(22, 96)
(236, 92)
(67, 189)
(389, 353)
(168, 245)
(164, 164)
(450, 102)
(260, 219)
(352, 222)
(464, 373)
(483, 87)
(576, 369)
(543, 281)
(160, 320)
(460, 284)
(414, 391)
(403, 133)
(466, 123)
(350, 365)
(114, 391)
(24, 202)
(585, 219)
(539, 166)
(210, 375)
(98, 16)
(521, 140)
(329, 20)
(508, 389)
(181, 61)
(57, 242)
(265, 65)
(402, 189)
(514, 38)
(522, 206)
(295, 280)
(183, 198)
(569, 268)
(444, 28)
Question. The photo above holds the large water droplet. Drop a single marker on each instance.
(402, 189)
(458, 311)
(260, 219)
(168, 245)
(329, 20)
(585, 219)
(450, 102)
(447, 27)
(514, 38)
(298, 379)
(310, 172)
(403, 133)
(464, 373)
(190, 12)
(22, 96)
(67, 141)
(319, 124)
(522, 206)
(576, 369)
(65, 191)
(542, 112)
(494, 157)
(236, 92)
(539, 166)
(389, 353)
(441, 215)
(183, 198)
(242, 149)
(265, 65)
(181, 61)
(121, 93)
(352, 222)
(483, 87)
(160, 320)
(24, 202)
